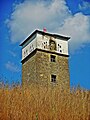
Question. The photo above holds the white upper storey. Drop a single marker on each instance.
(45, 41)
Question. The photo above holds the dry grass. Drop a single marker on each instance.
(36, 102)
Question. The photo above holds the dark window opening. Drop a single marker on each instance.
(53, 58)
(52, 45)
(26, 51)
(53, 78)
(60, 50)
(59, 45)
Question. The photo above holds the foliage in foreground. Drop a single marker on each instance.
(36, 102)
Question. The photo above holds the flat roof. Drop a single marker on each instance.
(45, 33)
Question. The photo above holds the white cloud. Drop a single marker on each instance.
(55, 16)
(78, 27)
(12, 67)
(85, 5)
(28, 15)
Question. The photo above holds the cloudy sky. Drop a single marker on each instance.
(18, 18)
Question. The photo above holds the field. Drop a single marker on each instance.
(44, 102)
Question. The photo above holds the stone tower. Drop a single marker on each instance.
(45, 59)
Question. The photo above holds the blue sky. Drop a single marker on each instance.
(18, 18)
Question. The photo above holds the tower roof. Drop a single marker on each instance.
(45, 33)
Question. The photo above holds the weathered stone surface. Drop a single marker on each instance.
(38, 68)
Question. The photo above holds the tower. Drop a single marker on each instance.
(45, 59)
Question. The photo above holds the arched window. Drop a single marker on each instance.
(52, 44)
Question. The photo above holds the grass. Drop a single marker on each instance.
(39, 102)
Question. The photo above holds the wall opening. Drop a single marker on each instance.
(53, 78)
(53, 58)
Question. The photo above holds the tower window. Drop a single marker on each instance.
(53, 58)
(59, 45)
(53, 78)
(24, 53)
(60, 50)
(52, 45)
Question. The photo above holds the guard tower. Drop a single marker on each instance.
(45, 59)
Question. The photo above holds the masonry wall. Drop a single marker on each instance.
(29, 69)
(39, 68)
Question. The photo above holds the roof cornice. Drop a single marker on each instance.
(45, 33)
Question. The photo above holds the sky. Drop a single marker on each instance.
(18, 18)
